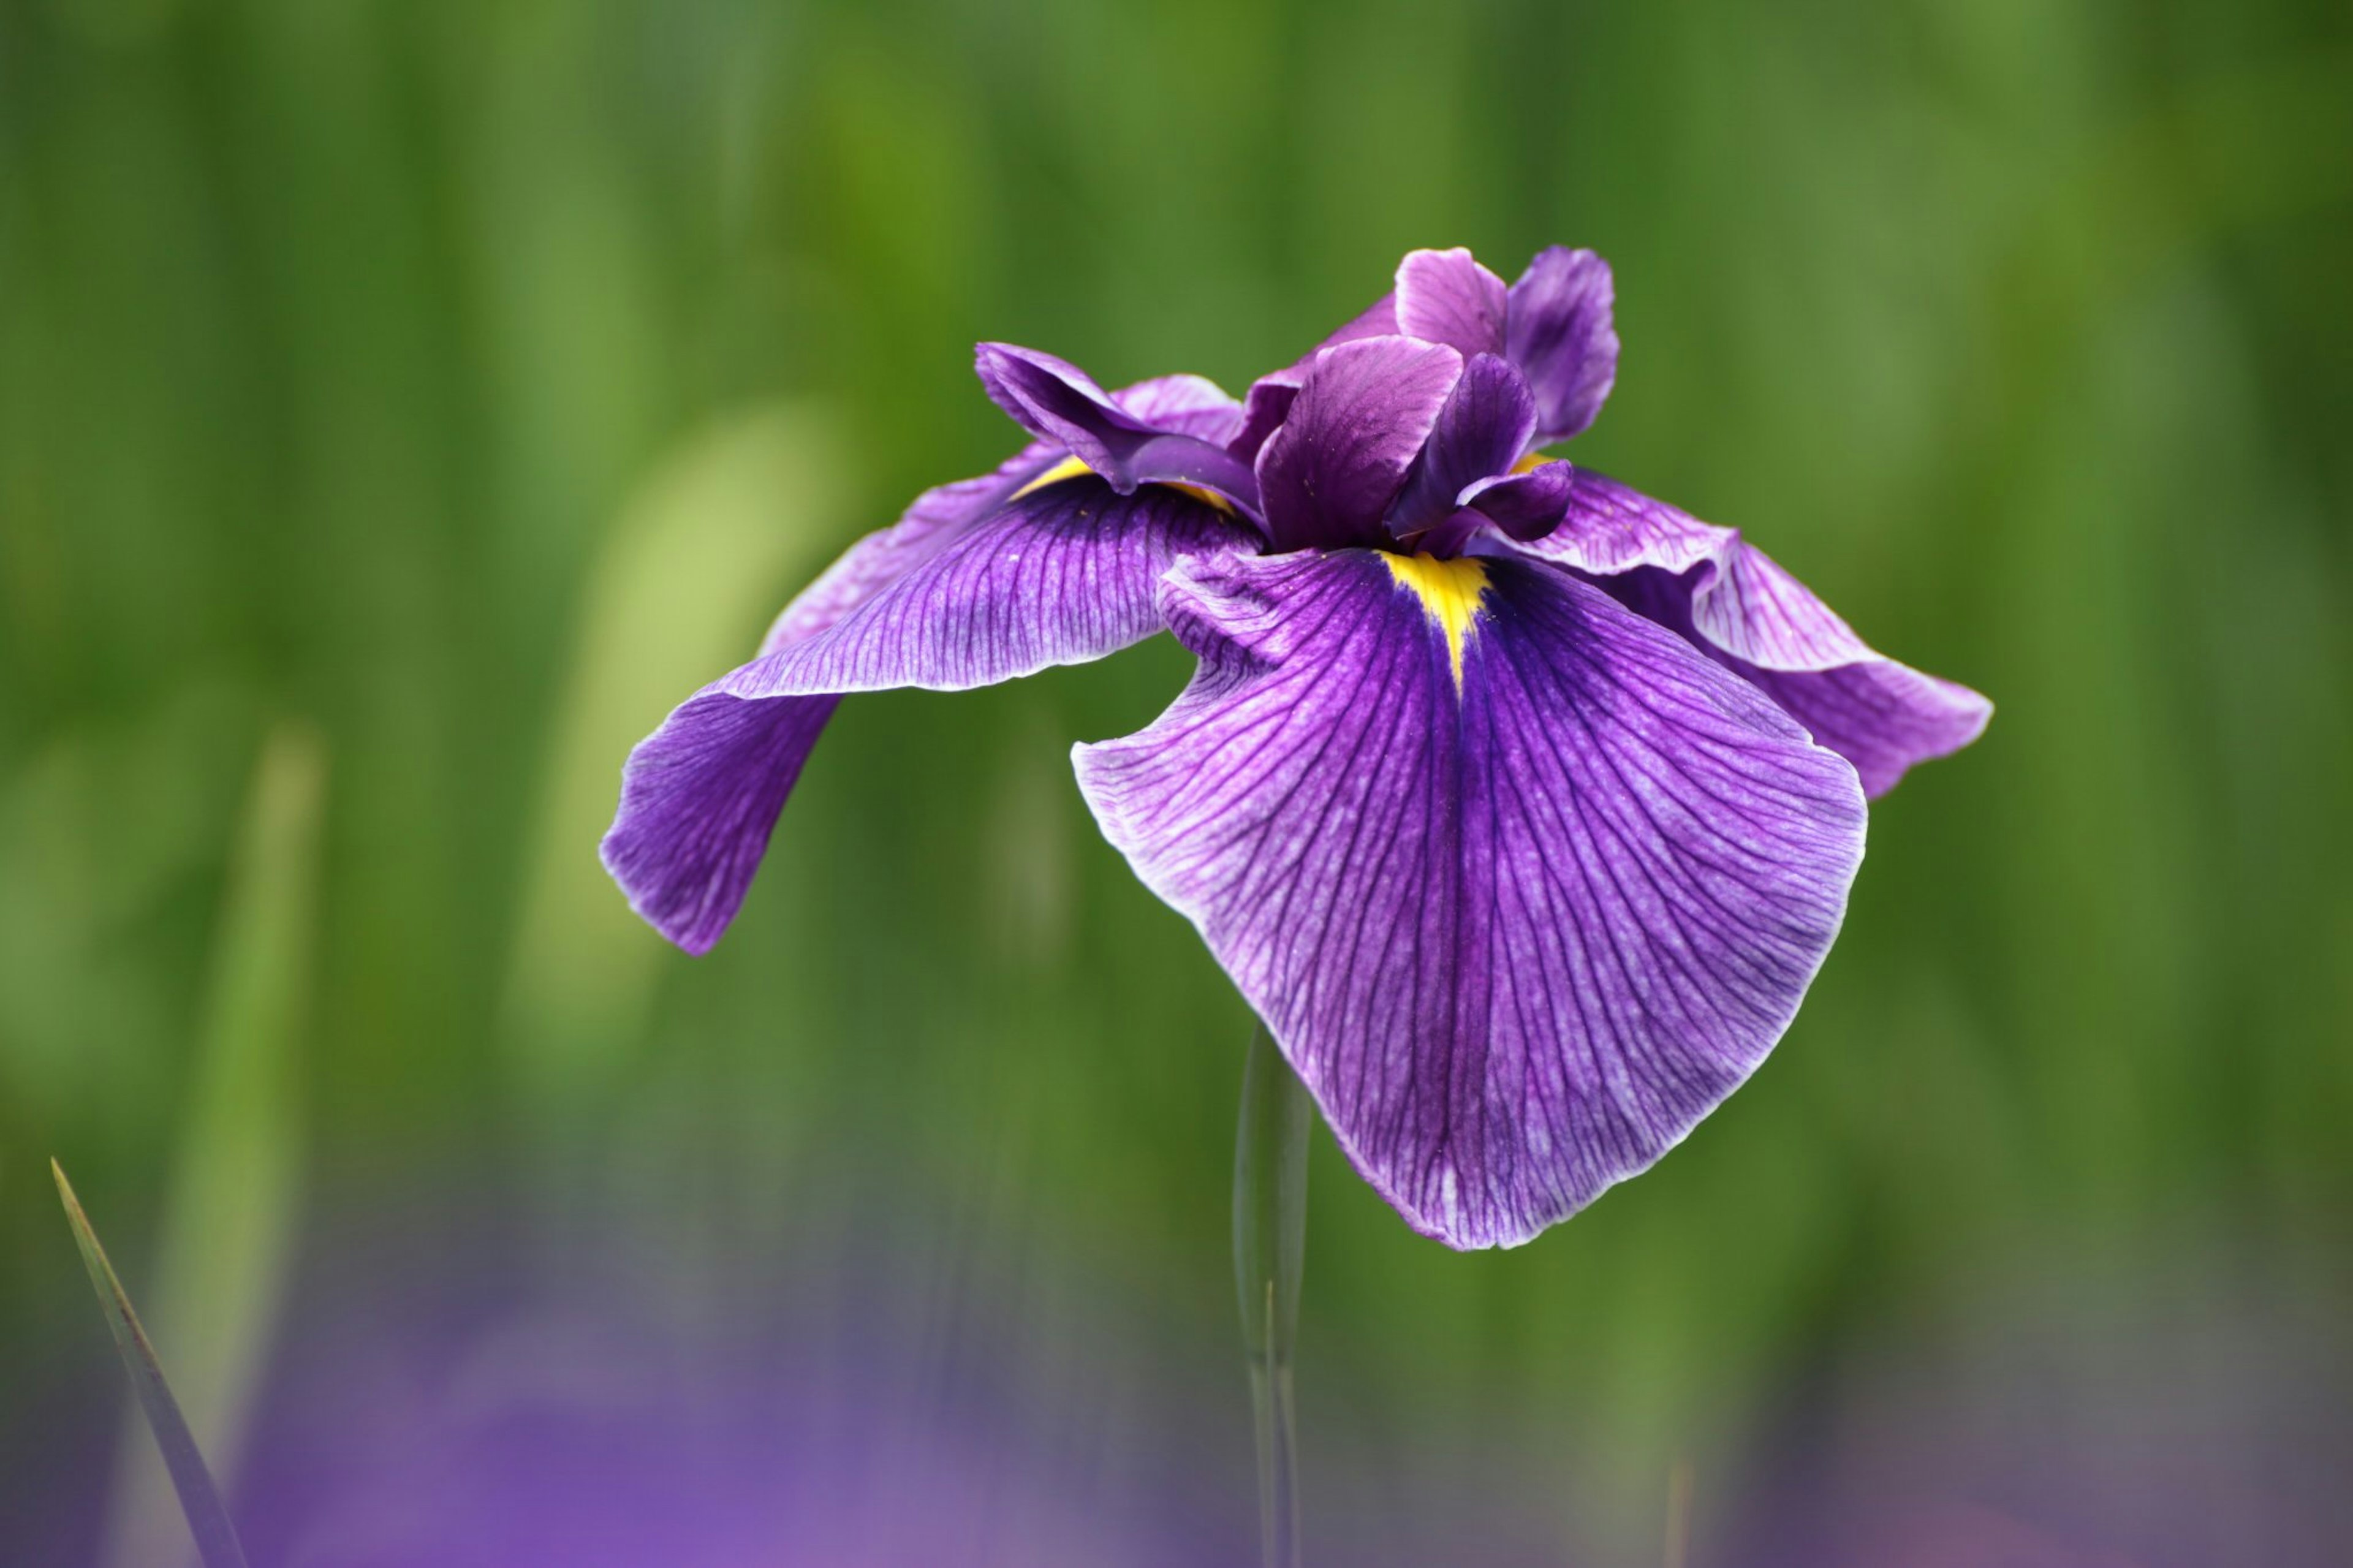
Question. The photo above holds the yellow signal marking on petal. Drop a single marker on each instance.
(1067, 468)
(1074, 468)
(1531, 463)
(1211, 497)
(1450, 593)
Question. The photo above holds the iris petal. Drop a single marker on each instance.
(1517, 935)
(1175, 433)
(1446, 296)
(1063, 574)
(882, 558)
(1561, 335)
(1185, 403)
(1739, 606)
(1363, 411)
(1480, 434)
(1527, 504)
(1270, 396)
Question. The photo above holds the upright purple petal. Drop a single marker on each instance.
(1058, 575)
(1522, 885)
(1269, 398)
(1363, 412)
(1480, 434)
(1743, 608)
(1378, 319)
(1057, 401)
(1561, 333)
(1446, 296)
(1265, 407)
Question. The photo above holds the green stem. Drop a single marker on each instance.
(1270, 1234)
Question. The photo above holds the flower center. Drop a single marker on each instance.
(1450, 593)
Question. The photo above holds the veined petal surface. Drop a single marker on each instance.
(1446, 296)
(1740, 606)
(1522, 885)
(1561, 332)
(1364, 409)
(938, 516)
(1189, 404)
(1269, 396)
(1060, 574)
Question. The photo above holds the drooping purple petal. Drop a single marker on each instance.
(1185, 404)
(884, 556)
(1057, 401)
(1742, 607)
(1363, 412)
(1525, 505)
(1608, 527)
(1058, 575)
(1480, 434)
(1446, 296)
(1559, 331)
(700, 798)
(1880, 715)
(1522, 885)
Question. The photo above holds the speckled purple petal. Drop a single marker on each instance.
(1518, 927)
(1363, 412)
(1561, 333)
(1446, 296)
(1480, 434)
(1738, 604)
(1063, 574)
(1176, 435)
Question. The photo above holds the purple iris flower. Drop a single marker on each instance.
(1521, 806)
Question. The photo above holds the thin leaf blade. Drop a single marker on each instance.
(214, 1286)
(200, 1500)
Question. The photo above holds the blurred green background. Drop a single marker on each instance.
(402, 404)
